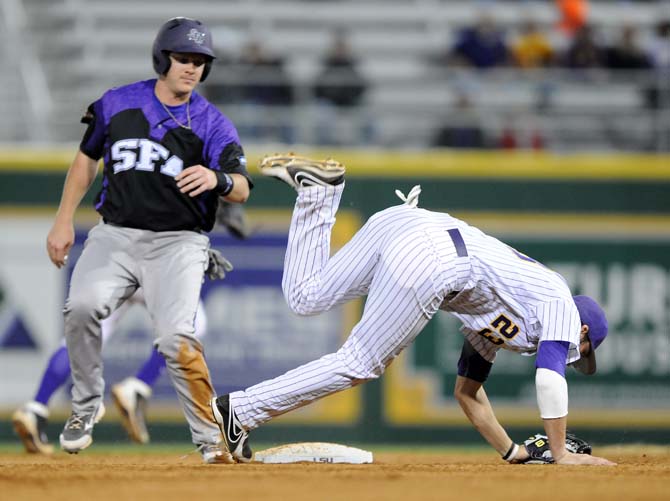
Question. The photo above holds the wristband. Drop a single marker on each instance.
(511, 453)
(224, 183)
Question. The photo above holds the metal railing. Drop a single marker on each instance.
(21, 51)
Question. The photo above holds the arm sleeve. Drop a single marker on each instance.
(472, 365)
(552, 394)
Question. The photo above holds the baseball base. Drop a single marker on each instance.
(313, 452)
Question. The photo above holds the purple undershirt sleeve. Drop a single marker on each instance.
(552, 355)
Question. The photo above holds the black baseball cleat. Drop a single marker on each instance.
(235, 438)
(300, 172)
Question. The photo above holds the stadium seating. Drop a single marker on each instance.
(87, 46)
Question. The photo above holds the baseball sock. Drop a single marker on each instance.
(152, 368)
(55, 375)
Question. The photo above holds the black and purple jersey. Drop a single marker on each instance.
(144, 149)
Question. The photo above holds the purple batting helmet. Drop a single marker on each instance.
(591, 314)
(182, 34)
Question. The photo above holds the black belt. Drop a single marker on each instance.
(461, 249)
(197, 229)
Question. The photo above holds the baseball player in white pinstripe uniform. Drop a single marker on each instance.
(410, 263)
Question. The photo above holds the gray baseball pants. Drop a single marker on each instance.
(169, 266)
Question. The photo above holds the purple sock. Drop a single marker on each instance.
(55, 375)
(152, 368)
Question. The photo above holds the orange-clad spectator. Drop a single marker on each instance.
(532, 48)
(573, 15)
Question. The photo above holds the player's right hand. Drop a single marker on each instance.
(570, 458)
(59, 242)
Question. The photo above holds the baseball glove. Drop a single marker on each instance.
(232, 216)
(538, 449)
(218, 266)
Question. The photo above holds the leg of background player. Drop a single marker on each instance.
(131, 396)
(30, 420)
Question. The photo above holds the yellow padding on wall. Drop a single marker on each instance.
(420, 163)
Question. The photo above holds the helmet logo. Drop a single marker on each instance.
(196, 36)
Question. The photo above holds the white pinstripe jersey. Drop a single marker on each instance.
(510, 301)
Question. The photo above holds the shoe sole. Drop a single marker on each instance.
(26, 434)
(219, 421)
(127, 420)
(315, 171)
(279, 172)
(75, 446)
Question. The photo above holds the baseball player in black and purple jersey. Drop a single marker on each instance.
(169, 155)
(412, 263)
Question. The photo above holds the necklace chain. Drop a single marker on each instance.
(188, 115)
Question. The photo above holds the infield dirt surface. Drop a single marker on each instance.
(643, 473)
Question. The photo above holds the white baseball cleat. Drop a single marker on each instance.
(30, 423)
(214, 454)
(300, 172)
(130, 397)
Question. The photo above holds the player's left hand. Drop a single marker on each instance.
(195, 180)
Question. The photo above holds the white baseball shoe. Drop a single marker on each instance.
(130, 397)
(214, 454)
(299, 172)
(30, 424)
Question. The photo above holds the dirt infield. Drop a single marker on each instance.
(642, 474)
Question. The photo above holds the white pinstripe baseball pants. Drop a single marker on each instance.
(394, 263)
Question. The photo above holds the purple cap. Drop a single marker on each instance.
(592, 315)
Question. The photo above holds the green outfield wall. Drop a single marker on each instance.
(602, 221)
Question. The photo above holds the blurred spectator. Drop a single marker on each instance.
(265, 91)
(481, 46)
(659, 47)
(584, 52)
(339, 82)
(339, 89)
(521, 133)
(532, 48)
(265, 80)
(658, 92)
(573, 15)
(626, 55)
(463, 130)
